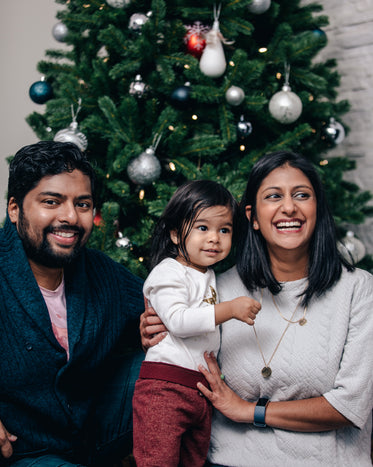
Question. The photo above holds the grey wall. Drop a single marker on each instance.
(25, 33)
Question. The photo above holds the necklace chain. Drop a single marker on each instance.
(266, 370)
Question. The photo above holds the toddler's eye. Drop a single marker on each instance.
(202, 227)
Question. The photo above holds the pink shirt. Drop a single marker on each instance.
(56, 304)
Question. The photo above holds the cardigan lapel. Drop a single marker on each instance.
(16, 272)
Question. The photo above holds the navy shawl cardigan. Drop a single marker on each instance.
(44, 399)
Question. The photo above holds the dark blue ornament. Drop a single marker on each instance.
(319, 34)
(40, 92)
(244, 129)
(180, 97)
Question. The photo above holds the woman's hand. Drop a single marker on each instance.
(221, 396)
(152, 330)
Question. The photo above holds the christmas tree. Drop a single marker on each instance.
(162, 91)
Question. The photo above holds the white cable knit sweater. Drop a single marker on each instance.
(332, 355)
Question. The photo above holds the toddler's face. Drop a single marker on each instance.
(210, 238)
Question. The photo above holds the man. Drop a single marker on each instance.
(67, 314)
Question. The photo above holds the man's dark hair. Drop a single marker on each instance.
(35, 161)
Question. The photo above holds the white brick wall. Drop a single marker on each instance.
(350, 41)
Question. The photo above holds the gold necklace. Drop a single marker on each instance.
(266, 370)
(302, 321)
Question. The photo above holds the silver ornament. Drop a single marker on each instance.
(244, 129)
(285, 106)
(334, 131)
(145, 169)
(118, 3)
(123, 242)
(234, 95)
(351, 248)
(138, 88)
(259, 6)
(60, 32)
(137, 21)
(72, 135)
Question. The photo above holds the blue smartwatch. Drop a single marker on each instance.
(260, 412)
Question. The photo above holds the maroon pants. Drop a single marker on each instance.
(171, 420)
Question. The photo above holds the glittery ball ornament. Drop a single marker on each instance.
(40, 92)
(137, 21)
(234, 95)
(259, 6)
(72, 135)
(60, 32)
(285, 106)
(351, 248)
(118, 3)
(145, 169)
(138, 88)
(123, 242)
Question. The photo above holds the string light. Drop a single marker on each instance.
(171, 128)
(242, 147)
(231, 63)
(311, 98)
(141, 259)
(107, 175)
(186, 66)
(172, 166)
(278, 75)
(194, 117)
(141, 194)
(324, 162)
(263, 50)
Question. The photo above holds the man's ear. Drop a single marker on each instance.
(248, 212)
(173, 236)
(13, 210)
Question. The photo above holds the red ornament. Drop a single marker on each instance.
(195, 39)
(98, 220)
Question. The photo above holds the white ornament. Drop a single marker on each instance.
(137, 21)
(259, 6)
(351, 248)
(285, 106)
(60, 31)
(123, 242)
(212, 62)
(145, 169)
(71, 134)
(234, 95)
(138, 88)
(118, 3)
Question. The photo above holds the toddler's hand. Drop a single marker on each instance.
(245, 309)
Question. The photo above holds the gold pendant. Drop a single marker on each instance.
(266, 372)
(302, 322)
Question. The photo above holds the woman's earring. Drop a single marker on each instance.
(255, 225)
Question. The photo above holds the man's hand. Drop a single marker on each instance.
(152, 329)
(6, 440)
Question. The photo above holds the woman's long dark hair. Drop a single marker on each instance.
(181, 212)
(253, 263)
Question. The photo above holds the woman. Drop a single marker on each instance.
(303, 373)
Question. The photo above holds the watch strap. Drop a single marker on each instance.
(260, 412)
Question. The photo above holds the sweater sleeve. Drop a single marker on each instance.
(352, 394)
(177, 303)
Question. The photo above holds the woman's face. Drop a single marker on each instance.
(285, 210)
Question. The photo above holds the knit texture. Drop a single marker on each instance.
(44, 399)
(332, 355)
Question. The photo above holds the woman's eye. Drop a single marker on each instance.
(273, 196)
(302, 195)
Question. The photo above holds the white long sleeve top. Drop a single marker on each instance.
(183, 298)
(331, 355)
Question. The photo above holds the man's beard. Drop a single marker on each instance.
(43, 254)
